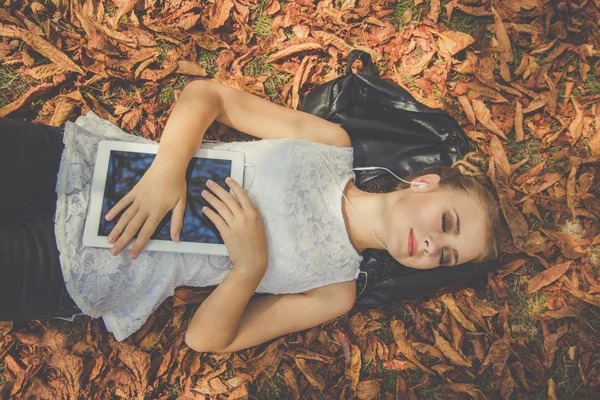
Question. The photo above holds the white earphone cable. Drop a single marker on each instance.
(357, 213)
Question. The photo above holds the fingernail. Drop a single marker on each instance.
(177, 237)
(228, 179)
(114, 251)
(209, 182)
(108, 216)
(111, 238)
(132, 255)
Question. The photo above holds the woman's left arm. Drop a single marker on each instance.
(215, 323)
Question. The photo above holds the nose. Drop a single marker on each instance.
(430, 246)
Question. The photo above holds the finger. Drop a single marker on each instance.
(129, 233)
(144, 236)
(221, 208)
(240, 193)
(216, 219)
(121, 204)
(122, 223)
(177, 219)
(225, 197)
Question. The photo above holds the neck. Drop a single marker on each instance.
(373, 207)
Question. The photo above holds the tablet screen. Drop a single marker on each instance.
(126, 168)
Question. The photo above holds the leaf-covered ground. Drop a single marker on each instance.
(522, 78)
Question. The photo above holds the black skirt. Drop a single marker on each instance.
(31, 280)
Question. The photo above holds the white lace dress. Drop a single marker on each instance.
(300, 204)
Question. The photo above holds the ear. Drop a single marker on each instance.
(432, 181)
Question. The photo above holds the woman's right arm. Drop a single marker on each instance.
(163, 187)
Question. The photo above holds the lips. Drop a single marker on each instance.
(412, 244)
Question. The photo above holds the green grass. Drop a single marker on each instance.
(167, 94)
(174, 391)
(276, 80)
(208, 60)
(523, 309)
(162, 48)
(13, 85)
(401, 7)
(565, 374)
(262, 24)
(517, 56)
(530, 148)
(463, 22)
(269, 388)
(3, 378)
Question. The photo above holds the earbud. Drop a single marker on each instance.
(419, 184)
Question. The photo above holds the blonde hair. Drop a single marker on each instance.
(469, 176)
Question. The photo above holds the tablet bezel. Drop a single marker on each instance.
(92, 222)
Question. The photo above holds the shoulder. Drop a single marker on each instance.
(344, 292)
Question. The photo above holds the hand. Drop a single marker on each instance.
(240, 226)
(160, 190)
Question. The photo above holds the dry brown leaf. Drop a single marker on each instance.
(404, 348)
(434, 10)
(535, 171)
(464, 102)
(519, 132)
(546, 277)
(468, 388)
(449, 302)
(497, 355)
(291, 383)
(567, 244)
(565, 312)
(500, 158)
(305, 44)
(369, 389)
(511, 267)
(190, 68)
(576, 125)
(516, 221)
(485, 117)
(452, 42)
(455, 356)
(48, 50)
(5, 327)
(353, 369)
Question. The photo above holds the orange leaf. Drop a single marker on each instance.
(464, 102)
(519, 132)
(368, 389)
(576, 126)
(449, 302)
(567, 244)
(498, 355)
(305, 44)
(485, 117)
(546, 277)
(500, 158)
(455, 356)
(352, 370)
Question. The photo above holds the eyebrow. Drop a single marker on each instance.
(457, 233)
(457, 222)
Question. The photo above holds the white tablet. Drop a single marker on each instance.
(120, 165)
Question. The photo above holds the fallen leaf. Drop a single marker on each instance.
(455, 356)
(497, 355)
(567, 244)
(546, 277)
(485, 117)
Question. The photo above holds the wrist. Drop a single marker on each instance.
(172, 158)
